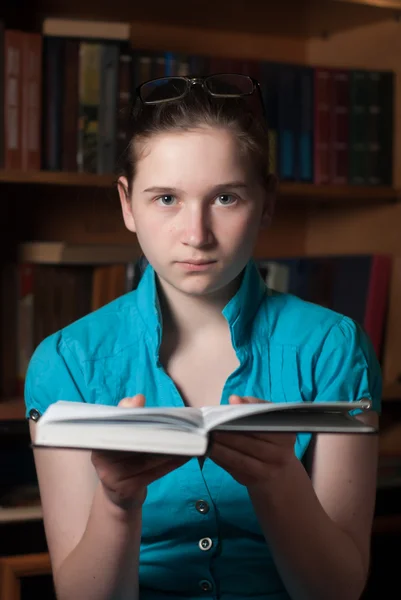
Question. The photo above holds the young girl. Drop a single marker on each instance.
(263, 516)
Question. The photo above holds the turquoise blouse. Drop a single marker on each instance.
(201, 537)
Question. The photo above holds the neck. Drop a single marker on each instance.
(189, 316)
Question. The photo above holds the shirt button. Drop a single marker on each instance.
(205, 544)
(205, 585)
(34, 414)
(202, 507)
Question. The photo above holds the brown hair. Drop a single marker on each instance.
(199, 109)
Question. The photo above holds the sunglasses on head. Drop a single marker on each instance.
(220, 85)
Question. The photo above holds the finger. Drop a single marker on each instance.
(128, 486)
(129, 465)
(274, 438)
(237, 463)
(249, 445)
(234, 399)
(136, 401)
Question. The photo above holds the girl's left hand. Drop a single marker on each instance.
(252, 458)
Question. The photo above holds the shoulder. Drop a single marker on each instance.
(82, 361)
(104, 332)
(294, 321)
(334, 355)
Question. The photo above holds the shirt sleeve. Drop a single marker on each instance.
(53, 374)
(347, 368)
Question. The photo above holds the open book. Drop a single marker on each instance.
(185, 431)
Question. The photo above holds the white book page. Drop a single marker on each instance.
(214, 416)
(182, 418)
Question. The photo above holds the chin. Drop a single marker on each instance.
(197, 286)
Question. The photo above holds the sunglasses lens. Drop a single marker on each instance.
(229, 84)
(160, 90)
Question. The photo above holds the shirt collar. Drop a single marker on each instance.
(239, 311)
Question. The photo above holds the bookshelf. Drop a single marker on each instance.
(310, 219)
(310, 17)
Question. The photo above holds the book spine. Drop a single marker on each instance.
(269, 89)
(358, 138)
(377, 300)
(108, 108)
(287, 122)
(8, 327)
(382, 151)
(305, 142)
(70, 112)
(125, 91)
(13, 48)
(339, 148)
(52, 103)
(31, 101)
(158, 66)
(25, 322)
(142, 67)
(89, 101)
(322, 125)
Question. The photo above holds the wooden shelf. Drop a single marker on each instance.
(336, 193)
(289, 17)
(288, 191)
(57, 178)
(20, 513)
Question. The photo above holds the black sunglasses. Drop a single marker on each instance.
(219, 85)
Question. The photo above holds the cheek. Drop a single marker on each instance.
(244, 226)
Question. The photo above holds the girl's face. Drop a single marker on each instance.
(196, 208)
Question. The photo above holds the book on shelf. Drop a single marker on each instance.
(187, 431)
(83, 75)
(357, 286)
(55, 284)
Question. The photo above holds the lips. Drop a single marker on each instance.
(198, 262)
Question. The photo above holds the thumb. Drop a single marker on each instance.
(136, 401)
(234, 399)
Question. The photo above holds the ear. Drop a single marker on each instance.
(126, 204)
(269, 202)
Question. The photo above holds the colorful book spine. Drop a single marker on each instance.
(89, 101)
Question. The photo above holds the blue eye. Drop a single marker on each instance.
(166, 200)
(226, 199)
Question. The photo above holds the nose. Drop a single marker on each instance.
(197, 231)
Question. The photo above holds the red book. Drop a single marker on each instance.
(322, 125)
(31, 104)
(377, 299)
(13, 47)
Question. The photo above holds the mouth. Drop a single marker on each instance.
(196, 265)
(203, 261)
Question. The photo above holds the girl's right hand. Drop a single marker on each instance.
(126, 475)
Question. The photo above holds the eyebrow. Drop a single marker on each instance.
(218, 188)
